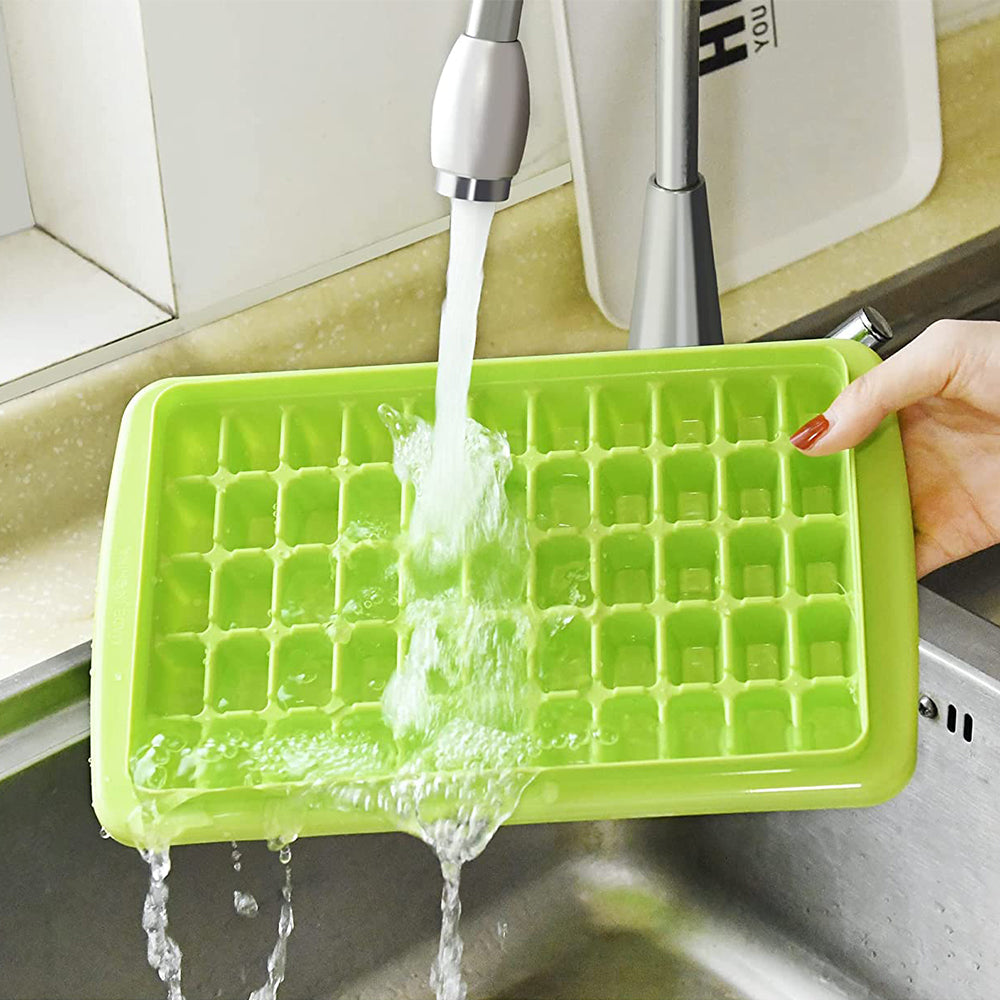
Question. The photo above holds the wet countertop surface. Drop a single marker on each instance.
(57, 444)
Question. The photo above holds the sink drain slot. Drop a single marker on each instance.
(967, 723)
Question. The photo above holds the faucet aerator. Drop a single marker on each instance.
(472, 188)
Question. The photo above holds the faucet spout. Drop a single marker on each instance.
(479, 121)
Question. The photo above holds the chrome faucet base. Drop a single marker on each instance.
(676, 300)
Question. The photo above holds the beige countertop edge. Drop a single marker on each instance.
(56, 444)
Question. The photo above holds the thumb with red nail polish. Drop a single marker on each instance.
(810, 432)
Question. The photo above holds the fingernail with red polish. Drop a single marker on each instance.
(810, 432)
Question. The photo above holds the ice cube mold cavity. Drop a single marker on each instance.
(705, 634)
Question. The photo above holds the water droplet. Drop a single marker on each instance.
(104, 834)
(245, 905)
(285, 854)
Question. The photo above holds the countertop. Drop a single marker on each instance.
(57, 444)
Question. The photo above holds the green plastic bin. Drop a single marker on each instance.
(748, 636)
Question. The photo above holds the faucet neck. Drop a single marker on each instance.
(677, 94)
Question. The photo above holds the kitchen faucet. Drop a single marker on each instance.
(478, 129)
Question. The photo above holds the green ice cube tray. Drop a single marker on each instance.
(743, 630)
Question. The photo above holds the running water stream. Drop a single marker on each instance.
(445, 508)
(458, 705)
(162, 951)
(459, 696)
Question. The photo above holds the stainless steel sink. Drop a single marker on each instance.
(899, 901)
(972, 583)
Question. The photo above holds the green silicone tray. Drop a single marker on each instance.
(748, 640)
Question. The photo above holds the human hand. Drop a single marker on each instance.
(946, 387)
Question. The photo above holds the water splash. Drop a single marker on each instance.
(459, 705)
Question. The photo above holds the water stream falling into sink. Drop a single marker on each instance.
(162, 950)
(286, 924)
(458, 705)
